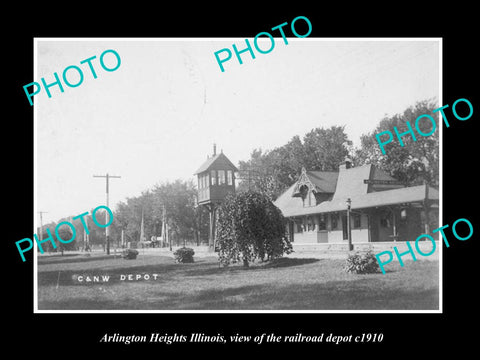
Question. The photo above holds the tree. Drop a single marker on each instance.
(260, 173)
(325, 149)
(178, 198)
(416, 161)
(250, 227)
(272, 172)
(47, 245)
(185, 220)
(69, 240)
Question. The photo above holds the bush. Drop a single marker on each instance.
(250, 227)
(184, 255)
(129, 254)
(362, 263)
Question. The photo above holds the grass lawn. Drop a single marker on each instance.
(286, 284)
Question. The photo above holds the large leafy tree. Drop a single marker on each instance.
(416, 161)
(96, 234)
(179, 200)
(264, 172)
(325, 149)
(273, 171)
(128, 217)
(185, 220)
(250, 227)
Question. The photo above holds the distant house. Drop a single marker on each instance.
(382, 209)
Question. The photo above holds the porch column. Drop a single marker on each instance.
(349, 225)
(369, 230)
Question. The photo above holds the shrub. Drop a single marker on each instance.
(129, 254)
(362, 263)
(184, 255)
(250, 227)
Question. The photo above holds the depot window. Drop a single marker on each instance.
(213, 177)
(221, 177)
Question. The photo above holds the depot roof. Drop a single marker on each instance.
(349, 183)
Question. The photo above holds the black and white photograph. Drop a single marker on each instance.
(226, 189)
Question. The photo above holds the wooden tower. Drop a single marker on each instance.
(216, 179)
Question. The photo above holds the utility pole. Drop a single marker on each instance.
(41, 223)
(107, 177)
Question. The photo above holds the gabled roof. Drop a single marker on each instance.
(287, 203)
(219, 161)
(326, 181)
(381, 198)
(349, 183)
(318, 181)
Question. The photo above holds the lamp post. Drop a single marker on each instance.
(349, 228)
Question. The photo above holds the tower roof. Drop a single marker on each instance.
(216, 162)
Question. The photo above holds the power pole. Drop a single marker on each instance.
(41, 223)
(107, 177)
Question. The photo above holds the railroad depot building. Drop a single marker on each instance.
(381, 208)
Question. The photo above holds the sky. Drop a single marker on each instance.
(156, 117)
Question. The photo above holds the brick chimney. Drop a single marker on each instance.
(346, 164)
